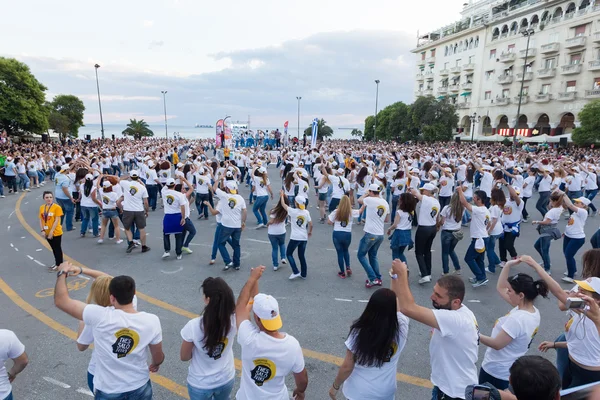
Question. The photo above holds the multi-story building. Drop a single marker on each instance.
(481, 62)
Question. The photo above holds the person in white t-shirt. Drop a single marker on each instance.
(455, 338)
(528, 184)
(302, 227)
(451, 217)
(10, 348)
(513, 333)
(123, 337)
(233, 220)
(574, 237)
(135, 208)
(373, 349)
(547, 229)
(475, 256)
(276, 232)
(208, 343)
(427, 230)
(268, 355)
(495, 228)
(402, 226)
(544, 189)
(377, 210)
(342, 220)
(174, 219)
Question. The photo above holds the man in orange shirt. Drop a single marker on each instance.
(51, 228)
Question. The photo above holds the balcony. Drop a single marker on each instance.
(542, 97)
(596, 37)
(546, 73)
(421, 62)
(575, 42)
(431, 60)
(528, 76)
(569, 15)
(571, 69)
(467, 86)
(530, 53)
(594, 65)
(418, 93)
(503, 101)
(468, 67)
(592, 94)
(504, 79)
(428, 75)
(507, 57)
(442, 90)
(567, 96)
(463, 105)
(420, 77)
(454, 88)
(444, 72)
(428, 92)
(524, 99)
(456, 70)
(550, 48)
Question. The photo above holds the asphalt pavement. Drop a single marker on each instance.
(318, 311)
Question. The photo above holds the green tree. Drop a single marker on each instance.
(22, 99)
(369, 123)
(66, 115)
(589, 132)
(433, 119)
(356, 132)
(137, 129)
(323, 130)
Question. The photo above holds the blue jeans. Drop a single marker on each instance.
(1, 188)
(218, 393)
(90, 380)
(398, 253)
(9, 397)
(499, 384)
(143, 393)
(369, 244)
(291, 247)
(235, 234)
(341, 242)
(116, 170)
(476, 261)
(213, 254)
(200, 206)
(260, 209)
(542, 203)
(449, 243)
(595, 240)
(189, 231)
(542, 245)
(277, 244)
(436, 394)
(490, 249)
(570, 248)
(466, 218)
(68, 210)
(152, 196)
(394, 206)
(590, 194)
(89, 213)
(24, 184)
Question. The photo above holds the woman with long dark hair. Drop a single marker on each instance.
(89, 206)
(262, 190)
(363, 180)
(402, 226)
(276, 231)
(450, 218)
(289, 186)
(208, 343)
(341, 219)
(373, 349)
(495, 228)
(50, 226)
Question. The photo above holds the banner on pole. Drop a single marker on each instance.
(285, 126)
(219, 129)
(227, 135)
(315, 129)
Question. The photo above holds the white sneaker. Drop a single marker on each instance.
(425, 279)
(259, 226)
(166, 254)
(566, 273)
(275, 268)
(3, 196)
(28, 190)
(294, 276)
(119, 241)
(186, 250)
(502, 264)
(100, 241)
(567, 279)
(211, 262)
(283, 261)
(179, 257)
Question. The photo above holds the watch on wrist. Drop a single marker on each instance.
(62, 272)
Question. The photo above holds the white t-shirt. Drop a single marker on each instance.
(496, 212)
(446, 186)
(209, 371)
(453, 351)
(266, 361)
(583, 340)
(398, 186)
(343, 226)
(108, 199)
(151, 177)
(231, 209)
(405, 220)
(528, 186)
(362, 188)
(450, 223)
(10, 347)
(86, 201)
(303, 187)
(545, 183)
(376, 383)
(121, 345)
(299, 222)
(521, 326)
(479, 222)
(276, 228)
(429, 210)
(377, 210)
(134, 194)
(574, 228)
(487, 181)
(554, 214)
(172, 200)
(163, 175)
(260, 187)
(202, 183)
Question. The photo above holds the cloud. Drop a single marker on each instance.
(333, 72)
(148, 23)
(156, 43)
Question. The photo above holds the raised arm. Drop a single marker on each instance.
(554, 287)
(250, 289)
(463, 199)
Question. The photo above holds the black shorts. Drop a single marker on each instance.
(129, 217)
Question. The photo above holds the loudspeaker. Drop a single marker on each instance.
(563, 142)
(88, 137)
(457, 139)
(45, 138)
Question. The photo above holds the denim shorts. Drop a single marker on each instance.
(322, 196)
(108, 214)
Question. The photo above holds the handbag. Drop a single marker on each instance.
(458, 235)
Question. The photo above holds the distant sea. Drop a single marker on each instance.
(189, 132)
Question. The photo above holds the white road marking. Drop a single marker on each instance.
(12, 245)
(28, 256)
(85, 391)
(39, 263)
(201, 244)
(57, 383)
(363, 301)
(347, 300)
(26, 202)
(258, 241)
(16, 249)
(8, 228)
(172, 272)
(22, 237)
(11, 214)
(474, 301)
(330, 249)
(38, 249)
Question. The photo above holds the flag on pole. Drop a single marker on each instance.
(285, 126)
(315, 128)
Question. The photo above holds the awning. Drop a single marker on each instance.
(441, 97)
(465, 94)
(453, 95)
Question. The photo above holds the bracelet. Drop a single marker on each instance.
(80, 271)
(335, 388)
(554, 346)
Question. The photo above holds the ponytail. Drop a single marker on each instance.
(541, 287)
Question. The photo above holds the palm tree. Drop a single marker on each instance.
(323, 130)
(137, 129)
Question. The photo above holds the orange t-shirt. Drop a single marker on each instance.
(48, 215)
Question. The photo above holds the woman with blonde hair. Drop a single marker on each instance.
(341, 218)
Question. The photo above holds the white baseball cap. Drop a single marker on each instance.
(134, 173)
(583, 200)
(232, 186)
(590, 284)
(373, 187)
(64, 167)
(429, 186)
(170, 182)
(266, 308)
(300, 199)
(89, 177)
(106, 183)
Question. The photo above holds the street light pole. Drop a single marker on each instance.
(298, 134)
(164, 93)
(474, 119)
(99, 102)
(528, 33)
(376, 101)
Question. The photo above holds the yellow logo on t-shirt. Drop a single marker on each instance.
(571, 221)
(264, 370)
(300, 221)
(507, 210)
(434, 212)
(380, 211)
(170, 199)
(127, 340)
(219, 348)
(132, 190)
(105, 199)
(231, 202)
(393, 349)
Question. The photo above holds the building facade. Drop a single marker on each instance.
(481, 62)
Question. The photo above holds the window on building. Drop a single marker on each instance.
(553, 37)
(575, 59)
(458, 64)
(545, 89)
(446, 65)
(488, 95)
(423, 56)
(596, 83)
(432, 52)
(525, 91)
(529, 67)
(420, 86)
(492, 54)
(511, 48)
(489, 75)
(571, 85)
(471, 59)
(505, 93)
(476, 41)
(469, 78)
(549, 63)
(579, 30)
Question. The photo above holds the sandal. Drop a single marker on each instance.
(342, 275)
(348, 272)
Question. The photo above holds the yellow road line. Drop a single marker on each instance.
(71, 334)
(328, 358)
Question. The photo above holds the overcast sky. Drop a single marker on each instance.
(237, 58)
